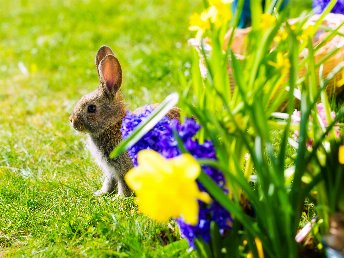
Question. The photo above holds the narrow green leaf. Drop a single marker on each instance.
(215, 240)
(202, 248)
(334, 32)
(239, 77)
(327, 10)
(229, 205)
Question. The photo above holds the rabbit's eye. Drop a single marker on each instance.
(91, 108)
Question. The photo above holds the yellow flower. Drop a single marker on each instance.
(341, 154)
(340, 82)
(198, 22)
(220, 2)
(218, 13)
(239, 119)
(308, 32)
(267, 21)
(167, 188)
(211, 14)
(259, 249)
(282, 63)
(281, 35)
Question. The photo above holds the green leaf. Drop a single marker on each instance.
(327, 10)
(145, 126)
(215, 239)
(202, 248)
(174, 249)
(239, 77)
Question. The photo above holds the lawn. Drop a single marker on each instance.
(47, 178)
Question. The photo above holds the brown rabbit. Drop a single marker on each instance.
(100, 114)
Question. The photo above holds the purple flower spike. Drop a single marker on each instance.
(161, 139)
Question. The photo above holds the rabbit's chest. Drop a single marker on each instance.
(100, 158)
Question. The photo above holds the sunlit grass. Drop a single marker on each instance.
(46, 176)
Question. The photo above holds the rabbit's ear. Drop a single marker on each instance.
(110, 73)
(103, 52)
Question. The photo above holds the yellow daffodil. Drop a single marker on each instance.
(281, 35)
(340, 82)
(282, 63)
(308, 32)
(259, 249)
(267, 21)
(220, 2)
(167, 188)
(198, 23)
(341, 154)
(239, 120)
(218, 13)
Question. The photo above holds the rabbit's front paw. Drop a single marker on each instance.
(98, 193)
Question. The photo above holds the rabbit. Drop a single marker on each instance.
(99, 114)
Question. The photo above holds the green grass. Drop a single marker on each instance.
(47, 178)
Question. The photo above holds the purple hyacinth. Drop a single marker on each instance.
(320, 5)
(158, 139)
(161, 139)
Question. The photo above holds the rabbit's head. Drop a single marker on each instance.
(103, 107)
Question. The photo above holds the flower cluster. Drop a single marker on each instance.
(161, 139)
(218, 13)
(320, 5)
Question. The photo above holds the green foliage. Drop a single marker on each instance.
(266, 76)
(46, 176)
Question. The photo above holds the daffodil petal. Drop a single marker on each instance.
(190, 213)
(132, 178)
(341, 154)
(188, 165)
(204, 197)
(152, 161)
